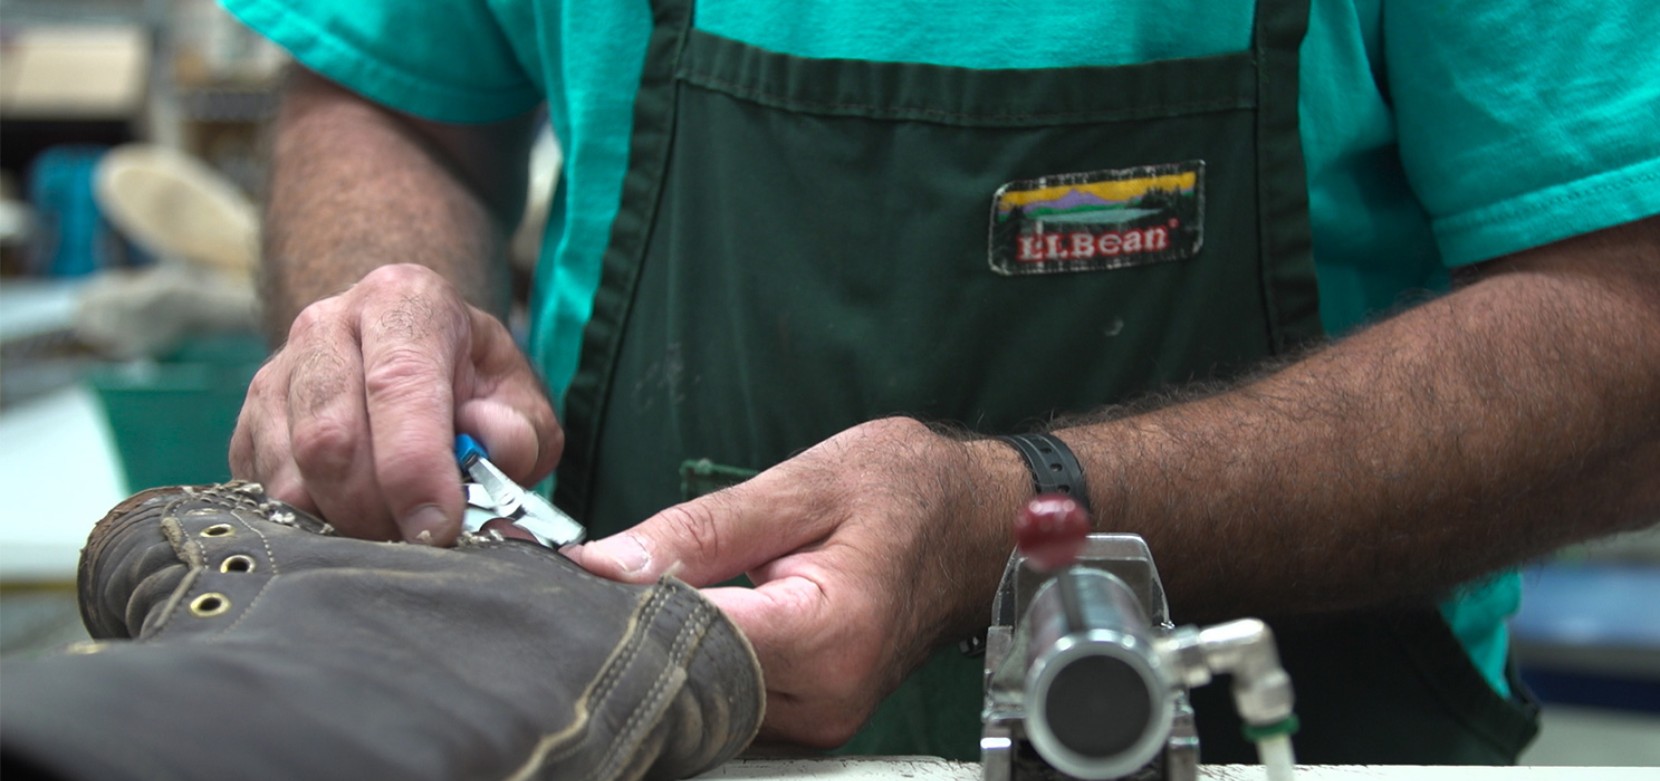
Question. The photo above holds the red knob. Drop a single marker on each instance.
(1050, 531)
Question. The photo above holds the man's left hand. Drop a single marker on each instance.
(866, 551)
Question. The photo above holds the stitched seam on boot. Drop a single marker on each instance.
(270, 555)
(724, 639)
(637, 640)
(251, 496)
(631, 735)
(554, 747)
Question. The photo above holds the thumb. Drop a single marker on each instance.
(704, 541)
(619, 557)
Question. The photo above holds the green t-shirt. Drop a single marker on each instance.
(1435, 135)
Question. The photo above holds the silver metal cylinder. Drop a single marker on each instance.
(1098, 700)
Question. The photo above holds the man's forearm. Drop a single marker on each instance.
(1515, 415)
(355, 187)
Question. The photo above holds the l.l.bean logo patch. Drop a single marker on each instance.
(1098, 220)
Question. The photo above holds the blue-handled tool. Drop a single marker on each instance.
(492, 494)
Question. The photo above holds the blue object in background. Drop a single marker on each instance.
(74, 238)
(1589, 634)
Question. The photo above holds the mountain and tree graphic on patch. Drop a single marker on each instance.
(1115, 202)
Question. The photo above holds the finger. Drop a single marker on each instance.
(286, 486)
(329, 432)
(258, 449)
(281, 478)
(504, 402)
(241, 452)
(712, 538)
(409, 367)
(507, 433)
(263, 408)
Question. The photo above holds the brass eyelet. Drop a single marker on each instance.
(219, 530)
(237, 563)
(209, 605)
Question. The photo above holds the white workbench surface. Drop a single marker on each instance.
(58, 475)
(926, 769)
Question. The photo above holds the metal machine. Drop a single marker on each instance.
(1087, 678)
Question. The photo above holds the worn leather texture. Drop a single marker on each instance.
(238, 638)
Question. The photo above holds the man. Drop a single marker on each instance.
(788, 233)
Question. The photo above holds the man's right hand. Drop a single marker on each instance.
(354, 417)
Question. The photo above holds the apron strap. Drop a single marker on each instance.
(648, 152)
(1282, 199)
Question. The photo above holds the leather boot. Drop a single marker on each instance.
(238, 638)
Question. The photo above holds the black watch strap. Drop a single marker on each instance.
(1055, 470)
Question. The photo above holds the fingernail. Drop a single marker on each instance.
(630, 556)
(423, 524)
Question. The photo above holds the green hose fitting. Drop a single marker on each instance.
(1286, 726)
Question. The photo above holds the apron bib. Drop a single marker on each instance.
(804, 245)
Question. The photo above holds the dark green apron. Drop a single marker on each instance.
(804, 245)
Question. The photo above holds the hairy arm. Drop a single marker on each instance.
(1517, 414)
(355, 186)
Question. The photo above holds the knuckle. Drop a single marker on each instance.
(260, 386)
(409, 318)
(312, 319)
(691, 528)
(270, 382)
(400, 276)
(415, 315)
(324, 446)
(411, 299)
